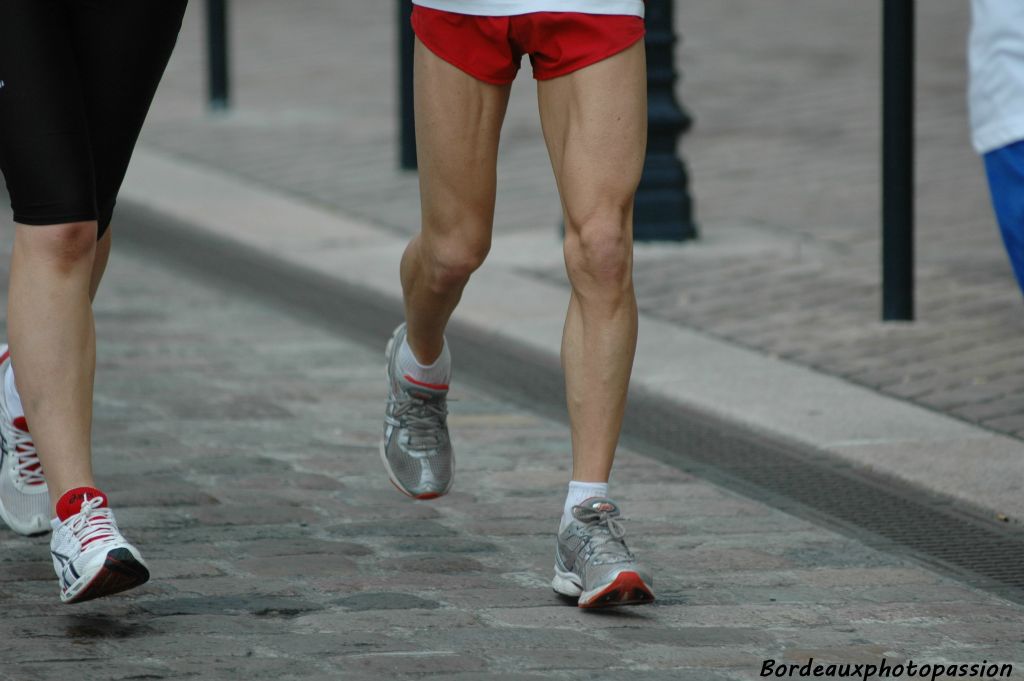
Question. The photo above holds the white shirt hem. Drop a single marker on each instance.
(998, 134)
(503, 8)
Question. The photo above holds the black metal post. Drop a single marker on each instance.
(664, 209)
(406, 116)
(217, 53)
(898, 160)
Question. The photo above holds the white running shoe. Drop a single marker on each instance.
(24, 497)
(91, 557)
(593, 563)
(416, 448)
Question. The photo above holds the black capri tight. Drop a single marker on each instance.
(76, 81)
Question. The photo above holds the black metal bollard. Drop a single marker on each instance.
(898, 160)
(664, 209)
(217, 53)
(406, 116)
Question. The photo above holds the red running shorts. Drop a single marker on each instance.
(490, 48)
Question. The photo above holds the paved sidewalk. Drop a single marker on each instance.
(785, 165)
(238, 445)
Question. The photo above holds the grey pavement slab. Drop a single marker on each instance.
(281, 551)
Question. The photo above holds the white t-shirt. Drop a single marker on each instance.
(996, 58)
(505, 8)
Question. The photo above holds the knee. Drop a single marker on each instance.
(599, 250)
(455, 260)
(63, 247)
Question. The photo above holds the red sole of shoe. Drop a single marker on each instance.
(627, 589)
(120, 572)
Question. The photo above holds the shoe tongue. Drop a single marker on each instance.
(71, 503)
(21, 424)
(595, 505)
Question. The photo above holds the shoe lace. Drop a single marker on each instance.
(26, 460)
(423, 419)
(92, 523)
(607, 534)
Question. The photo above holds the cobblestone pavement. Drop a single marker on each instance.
(784, 159)
(238, 446)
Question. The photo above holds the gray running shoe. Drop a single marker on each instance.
(24, 497)
(416, 449)
(592, 562)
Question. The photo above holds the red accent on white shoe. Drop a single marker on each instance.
(422, 384)
(627, 589)
(70, 503)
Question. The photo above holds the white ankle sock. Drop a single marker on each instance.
(11, 393)
(578, 493)
(438, 373)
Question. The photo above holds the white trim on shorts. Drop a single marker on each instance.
(505, 8)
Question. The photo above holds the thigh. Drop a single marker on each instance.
(44, 142)
(122, 48)
(458, 124)
(595, 127)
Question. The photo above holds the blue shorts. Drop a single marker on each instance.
(1005, 169)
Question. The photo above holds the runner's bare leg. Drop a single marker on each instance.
(458, 122)
(99, 262)
(53, 343)
(595, 126)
